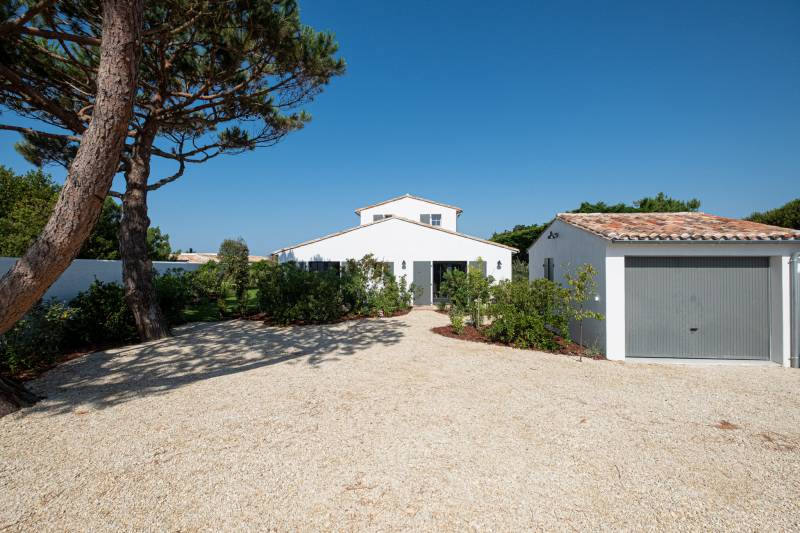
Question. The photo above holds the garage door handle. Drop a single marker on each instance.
(692, 329)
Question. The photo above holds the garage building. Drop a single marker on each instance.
(678, 285)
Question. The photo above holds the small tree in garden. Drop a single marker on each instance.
(519, 269)
(583, 288)
(233, 260)
(468, 292)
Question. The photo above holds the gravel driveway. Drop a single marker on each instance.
(383, 425)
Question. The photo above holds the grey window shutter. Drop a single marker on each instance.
(549, 270)
(425, 219)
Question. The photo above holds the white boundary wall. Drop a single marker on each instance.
(82, 273)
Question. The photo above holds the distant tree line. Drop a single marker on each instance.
(26, 202)
(786, 216)
(521, 236)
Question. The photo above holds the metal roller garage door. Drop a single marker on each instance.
(697, 307)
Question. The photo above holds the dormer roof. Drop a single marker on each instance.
(458, 209)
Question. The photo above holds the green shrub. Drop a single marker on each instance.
(175, 291)
(37, 339)
(101, 316)
(389, 296)
(233, 261)
(529, 314)
(457, 323)
(289, 294)
(469, 292)
(207, 281)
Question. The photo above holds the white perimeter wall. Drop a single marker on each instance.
(411, 208)
(82, 272)
(397, 241)
(574, 247)
(779, 286)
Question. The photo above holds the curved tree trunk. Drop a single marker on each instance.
(90, 174)
(137, 269)
(88, 180)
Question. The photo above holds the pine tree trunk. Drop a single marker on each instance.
(137, 268)
(91, 172)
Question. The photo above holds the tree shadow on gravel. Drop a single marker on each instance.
(201, 351)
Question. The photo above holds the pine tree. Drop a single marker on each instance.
(217, 77)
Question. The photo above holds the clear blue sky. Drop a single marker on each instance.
(514, 113)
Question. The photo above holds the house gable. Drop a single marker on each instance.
(413, 208)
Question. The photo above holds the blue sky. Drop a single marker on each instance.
(514, 113)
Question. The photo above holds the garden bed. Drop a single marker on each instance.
(262, 317)
(473, 334)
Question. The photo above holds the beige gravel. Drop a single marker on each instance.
(383, 425)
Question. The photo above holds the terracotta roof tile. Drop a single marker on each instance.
(675, 227)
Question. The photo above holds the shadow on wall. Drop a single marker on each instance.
(199, 352)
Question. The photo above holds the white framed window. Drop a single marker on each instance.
(431, 219)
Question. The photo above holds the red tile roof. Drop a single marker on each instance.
(675, 227)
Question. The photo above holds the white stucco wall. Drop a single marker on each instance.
(572, 248)
(396, 241)
(82, 272)
(411, 208)
(779, 285)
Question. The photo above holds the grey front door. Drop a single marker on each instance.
(422, 280)
(697, 307)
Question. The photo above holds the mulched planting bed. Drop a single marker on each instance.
(473, 334)
(262, 317)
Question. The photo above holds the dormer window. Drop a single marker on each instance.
(431, 219)
(376, 218)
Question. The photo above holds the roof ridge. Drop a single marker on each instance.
(403, 219)
(409, 195)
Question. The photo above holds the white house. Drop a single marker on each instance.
(418, 238)
(678, 285)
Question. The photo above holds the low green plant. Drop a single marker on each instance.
(207, 281)
(37, 339)
(468, 292)
(457, 323)
(529, 314)
(519, 269)
(288, 294)
(175, 291)
(101, 316)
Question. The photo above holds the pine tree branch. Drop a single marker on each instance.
(68, 118)
(49, 34)
(37, 133)
(11, 26)
(115, 194)
(160, 183)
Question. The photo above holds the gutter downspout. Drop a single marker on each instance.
(794, 299)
